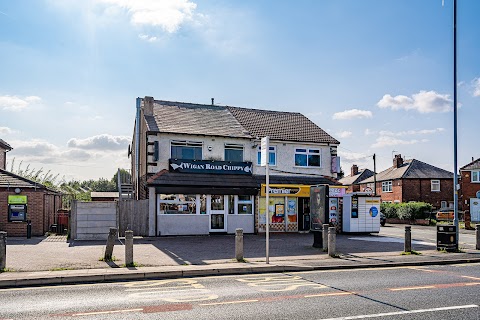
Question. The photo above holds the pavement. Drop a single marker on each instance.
(55, 260)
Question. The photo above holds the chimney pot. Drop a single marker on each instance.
(354, 170)
(397, 161)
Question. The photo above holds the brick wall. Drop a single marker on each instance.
(421, 190)
(41, 208)
(468, 190)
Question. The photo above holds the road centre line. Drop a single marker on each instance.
(473, 278)
(329, 294)
(386, 314)
(412, 288)
(105, 312)
(227, 302)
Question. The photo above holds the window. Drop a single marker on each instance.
(307, 157)
(475, 176)
(188, 150)
(156, 151)
(245, 205)
(272, 155)
(387, 186)
(177, 204)
(233, 152)
(443, 204)
(435, 185)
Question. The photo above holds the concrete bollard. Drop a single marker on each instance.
(112, 236)
(128, 248)
(325, 227)
(3, 250)
(477, 234)
(332, 239)
(408, 239)
(239, 244)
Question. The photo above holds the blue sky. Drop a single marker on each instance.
(376, 74)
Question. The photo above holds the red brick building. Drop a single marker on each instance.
(355, 177)
(469, 184)
(413, 180)
(42, 203)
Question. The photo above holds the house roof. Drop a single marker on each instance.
(11, 180)
(283, 126)
(474, 165)
(361, 175)
(215, 120)
(5, 145)
(189, 118)
(411, 169)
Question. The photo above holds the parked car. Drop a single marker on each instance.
(444, 214)
(383, 219)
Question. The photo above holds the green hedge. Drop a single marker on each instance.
(406, 211)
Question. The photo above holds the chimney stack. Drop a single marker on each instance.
(354, 170)
(148, 106)
(397, 161)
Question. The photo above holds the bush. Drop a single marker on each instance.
(406, 211)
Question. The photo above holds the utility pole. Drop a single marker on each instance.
(455, 175)
(374, 175)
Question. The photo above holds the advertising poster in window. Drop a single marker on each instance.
(333, 210)
(291, 210)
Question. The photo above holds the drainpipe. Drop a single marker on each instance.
(137, 148)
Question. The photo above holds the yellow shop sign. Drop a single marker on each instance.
(286, 190)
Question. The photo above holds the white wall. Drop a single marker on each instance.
(185, 224)
(244, 221)
(94, 220)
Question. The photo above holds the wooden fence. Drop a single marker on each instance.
(133, 215)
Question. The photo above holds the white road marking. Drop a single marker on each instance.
(390, 239)
(105, 312)
(412, 288)
(387, 314)
(226, 302)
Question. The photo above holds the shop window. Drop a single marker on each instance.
(272, 155)
(307, 157)
(245, 205)
(177, 204)
(217, 202)
(475, 176)
(387, 186)
(435, 185)
(187, 150)
(234, 152)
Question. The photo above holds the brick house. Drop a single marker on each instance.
(470, 188)
(413, 180)
(355, 177)
(199, 167)
(4, 148)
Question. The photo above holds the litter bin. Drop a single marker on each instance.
(447, 237)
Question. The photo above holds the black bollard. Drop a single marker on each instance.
(29, 229)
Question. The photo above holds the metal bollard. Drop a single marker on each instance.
(29, 229)
(239, 244)
(408, 239)
(325, 227)
(128, 248)
(3, 250)
(112, 236)
(332, 239)
(477, 234)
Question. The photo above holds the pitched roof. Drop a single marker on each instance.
(5, 145)
(474, 165)
(189, 118)
(361, 175)
(412, 169)
(215, 120)
(11, 180)
(283, 126)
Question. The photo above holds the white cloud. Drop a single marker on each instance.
(167, 14)
(410, 132)
(14, 103)
(352, 114)
(147, 38)
(368, 132)
(100, 142)
(345, 134)
(5, 130)
(423, 102)
(386, 141)
(476, 87)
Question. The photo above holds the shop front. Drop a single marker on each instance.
(204, 201)
(289, 208)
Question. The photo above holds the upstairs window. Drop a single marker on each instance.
(307, 157)
(233, 152)
(387, 186)
(475, 176)
(435, 185)
(272, 155)
(188, 150)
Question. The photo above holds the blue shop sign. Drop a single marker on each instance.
(209, 166)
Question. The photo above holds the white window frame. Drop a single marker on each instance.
(308, 151)
(443, 204)
(271, 150)
(435, 185)
(387, 186)
(475, 176)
